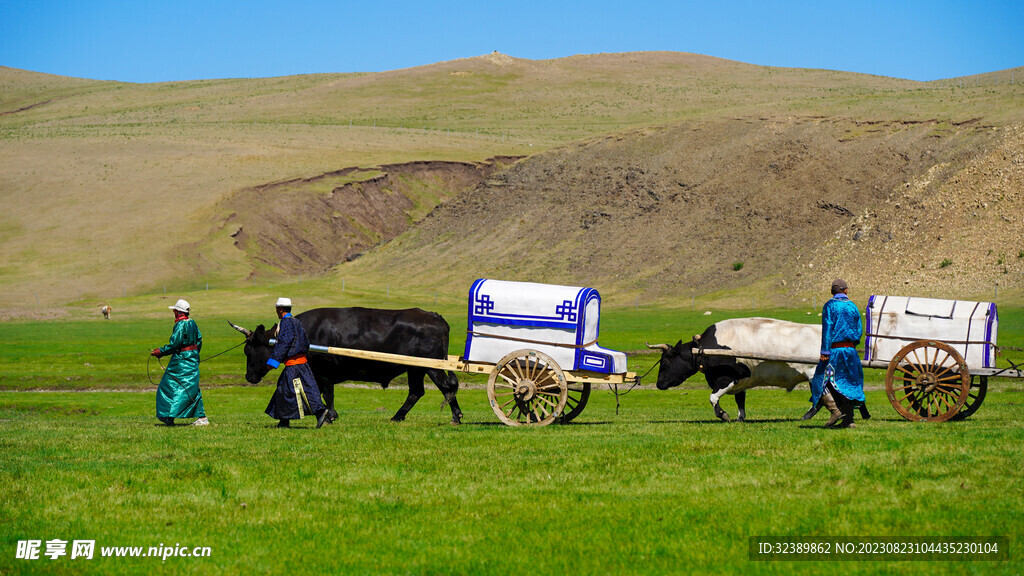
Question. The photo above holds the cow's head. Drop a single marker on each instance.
(257, 352)
(677, 364)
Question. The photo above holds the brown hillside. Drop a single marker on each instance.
(672, 211)
(950, 230)
(111, 189)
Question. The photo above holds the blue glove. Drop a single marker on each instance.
(273, 363)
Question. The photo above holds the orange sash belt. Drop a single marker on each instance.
(295, 360)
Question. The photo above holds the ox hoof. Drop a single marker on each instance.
(398, 418)
(723, 416)
(741, 418)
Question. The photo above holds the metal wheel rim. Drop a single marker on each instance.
(922, 386)
(527, 388)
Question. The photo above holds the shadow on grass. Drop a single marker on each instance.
(717, 421)
(554, 425)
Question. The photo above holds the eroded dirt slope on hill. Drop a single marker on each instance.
(707, 206)
(309, 225)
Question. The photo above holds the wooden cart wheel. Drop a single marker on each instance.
(576, 400)
(927, 380)
(527, 387)
(979, 387)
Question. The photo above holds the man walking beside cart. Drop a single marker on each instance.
(297, 393)
(839, 379)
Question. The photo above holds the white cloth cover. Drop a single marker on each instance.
(560, 321)
(901, 320)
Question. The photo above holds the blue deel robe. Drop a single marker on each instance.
(178, 395)
(840, 322)
(292, 341)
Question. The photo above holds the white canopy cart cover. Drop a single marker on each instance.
(560, 321)
(895, 321)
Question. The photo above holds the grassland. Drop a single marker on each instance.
(661, 487)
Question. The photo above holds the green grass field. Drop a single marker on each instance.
(662, 487)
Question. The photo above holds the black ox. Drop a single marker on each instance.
(411, 332)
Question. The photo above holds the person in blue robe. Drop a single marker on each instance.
(838, 381)
(292, 346)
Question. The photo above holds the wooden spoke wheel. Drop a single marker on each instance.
(527, 387)
(576, 400)
(927, 380)
(976, 395)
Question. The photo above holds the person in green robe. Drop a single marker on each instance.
(178, 395)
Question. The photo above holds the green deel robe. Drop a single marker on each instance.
(178, 395)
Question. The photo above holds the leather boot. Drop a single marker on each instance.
(830, 403)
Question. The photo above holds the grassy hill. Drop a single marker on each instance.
(110, 188)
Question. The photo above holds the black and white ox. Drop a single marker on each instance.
(728, 375)
(411, 332)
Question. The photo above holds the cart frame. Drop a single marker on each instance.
(920, 385)
(525, 387)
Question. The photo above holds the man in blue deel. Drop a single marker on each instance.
(297, 393)
(840, 375)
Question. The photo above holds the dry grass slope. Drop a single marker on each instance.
(668, 212)
(107, 186)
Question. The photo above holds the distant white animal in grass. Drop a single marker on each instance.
(106, 311)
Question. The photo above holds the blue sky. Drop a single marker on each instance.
(149, 41)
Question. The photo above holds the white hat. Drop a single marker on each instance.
(284, 302)
(180, 306)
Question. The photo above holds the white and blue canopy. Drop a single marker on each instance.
(560, 321)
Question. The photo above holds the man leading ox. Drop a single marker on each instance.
(297, 390)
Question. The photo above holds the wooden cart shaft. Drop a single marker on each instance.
(457, 364)
(991, 372)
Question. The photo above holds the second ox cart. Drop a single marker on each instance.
(938, 354)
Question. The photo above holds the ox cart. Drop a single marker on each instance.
(938, 354)
(537, 342)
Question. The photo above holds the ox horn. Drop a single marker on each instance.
(247, 333)
(664, 347)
